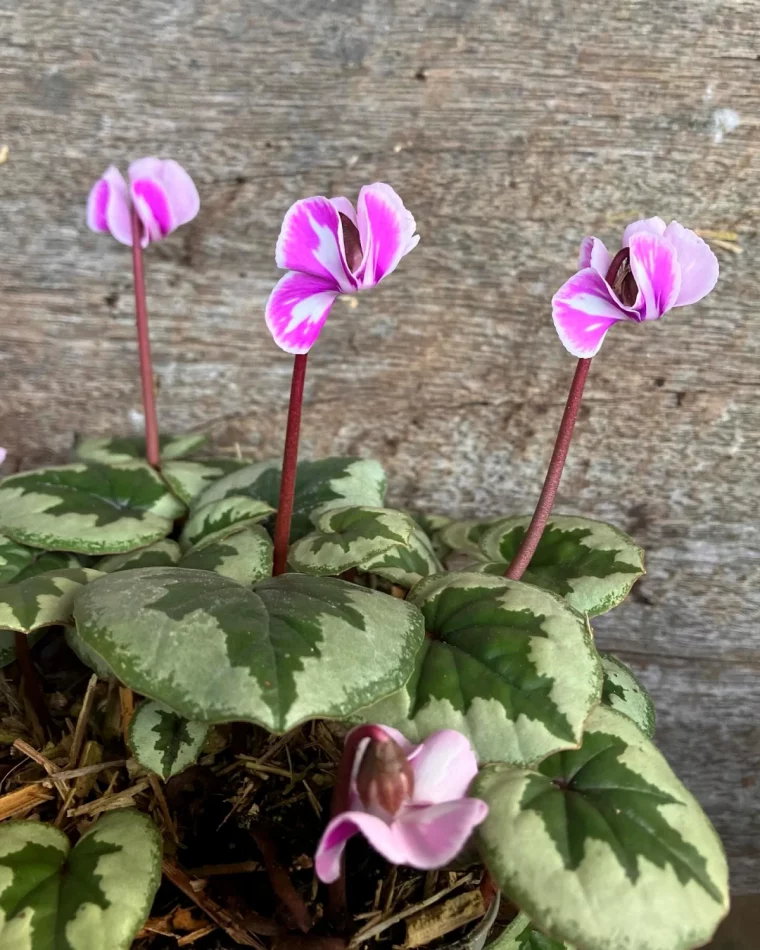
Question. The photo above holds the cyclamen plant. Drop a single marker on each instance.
(480, 722)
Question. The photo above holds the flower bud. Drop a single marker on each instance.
(385, 777)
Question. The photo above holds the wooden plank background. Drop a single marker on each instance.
(511, 129)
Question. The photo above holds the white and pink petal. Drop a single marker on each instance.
(653, 225)
(386, 229)
(431, 837)
(311, 241)
(383, 837)
(655, 268)
(444, 766)
(699, 265)
(297, 309)
(593, 253)
(583, 310)
(108, 208)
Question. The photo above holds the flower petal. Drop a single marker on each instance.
(3, 455)
(653, 225)
(108, 206)
(593, 253)
(443, 766)
(386, 229)
(583, 310)
(311, 241)
(432, 836)
(383, 837)
(654, 265)
(344, 206)
(699, 266)
(297, 309)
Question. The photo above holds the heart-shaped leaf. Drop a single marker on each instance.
(160, 554)
(294, 648)
(406, 564)
(17, 562)
(164, 742)
(113, 451)
(188, 479)
(43, 600)
(86, 654)
(347, 537)
(521, 935)
(245, 556)
(213, 522)
(623, 692)
(603, 846)
(94, 895)
(510, 666)
(464, 536)
(87, 508)
(589, 563)
(335, 481)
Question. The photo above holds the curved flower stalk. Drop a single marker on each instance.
(409, 801)
(329, 248)
(159, 198)
(659, 267)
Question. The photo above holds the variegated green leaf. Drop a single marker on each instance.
(603, 846)
(213, 522)
(589, 563)
(347, 537)
(88, 508)
(623, 692)
(521, 935)
(335, 481)
(245, 556)
(188, 479)
(433, 526)
(43, 600)
(294, 648)
(95, 896)
(164, 742)
(510, 666)
(406, 564)
(464, 536)
(86, 654)
(160, 554)
(113, 451)
(17, 562)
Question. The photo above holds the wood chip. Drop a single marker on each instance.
(123, 799)
(17, 803)
(82, 720)
(434, 922)
(50, 767)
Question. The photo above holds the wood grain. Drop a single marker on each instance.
(511, 129)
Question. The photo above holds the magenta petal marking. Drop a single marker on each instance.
(653, 225)
(3, 455)
(311, 241)
(386, 229)
(432, 836)
(699, 266)
(380, 835)
(593, 253)
(583, 310)
(152, 205)
(96, 206)
(108, 206)
(654, 265)
(297, 309)
(444, 766)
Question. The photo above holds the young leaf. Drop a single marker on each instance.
(87, 508)
(603, 846)
(520, 935)
(114, 451)
(96, 894)
(17, 562)
(160, 554)
(164, 742)
(214, 521)
(589, 563)
(293, 648)
(335, 481)
(509, 665)
(42, 601)
(245, 556)
(623, 692)
(407, 564)
(347, 537)
(189, 479)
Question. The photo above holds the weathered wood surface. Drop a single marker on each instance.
(511, 129)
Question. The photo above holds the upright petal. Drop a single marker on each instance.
(311, 241)
(653, 225)
(699, 266)
(593, 253)
(443, 766)
(383, 837)
(583, 310)
(654, 265)
(3, 455)
(297, 309)
(386, 230)
(164, 196)
(433, 836)
(345, 207)
(108, 206)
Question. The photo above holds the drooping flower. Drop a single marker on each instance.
(410, 802)
(160, 190)
(659, 267)
(328, 249)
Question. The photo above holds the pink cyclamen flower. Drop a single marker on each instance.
(160, 190)
(330, 249)
(3, 455)
(658, 268)
(433, 816)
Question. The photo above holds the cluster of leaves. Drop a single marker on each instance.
(163, 582)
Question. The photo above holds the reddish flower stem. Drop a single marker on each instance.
(289, 466)
(152, 452)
